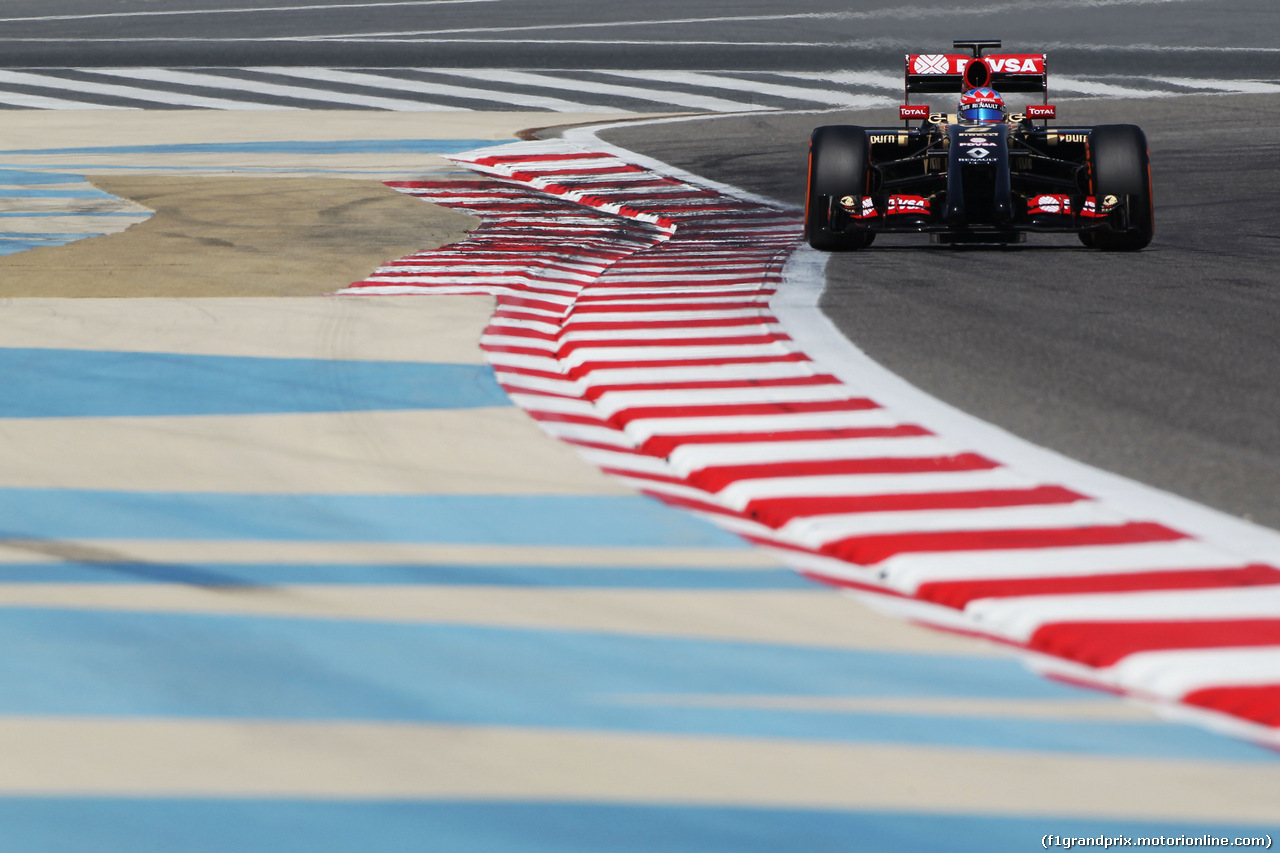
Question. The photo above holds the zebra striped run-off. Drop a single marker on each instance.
(633, 322)
(437, 89)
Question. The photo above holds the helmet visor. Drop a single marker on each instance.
(982, 114)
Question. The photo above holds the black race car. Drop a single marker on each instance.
(980, 175)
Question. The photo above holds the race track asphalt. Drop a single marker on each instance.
(1222, 39)
(1160, 366)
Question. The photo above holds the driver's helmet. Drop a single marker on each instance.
(981, 105)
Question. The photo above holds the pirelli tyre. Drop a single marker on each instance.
(1121, 167)
(837, 168)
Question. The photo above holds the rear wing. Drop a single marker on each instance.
(945, 73)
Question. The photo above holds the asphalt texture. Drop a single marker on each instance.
(1231, 39)
(1163, 366)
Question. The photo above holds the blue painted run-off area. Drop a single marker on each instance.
(29, 194)
(568, 520)
(79, 825)
(342, 146)
(58, 662)
(47, 383)
(219, 575)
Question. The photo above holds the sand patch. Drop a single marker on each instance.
(237, 236)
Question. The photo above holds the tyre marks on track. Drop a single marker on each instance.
(634, 322)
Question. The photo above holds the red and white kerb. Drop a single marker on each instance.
(633, 322)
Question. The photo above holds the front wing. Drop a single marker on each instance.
(907, 184)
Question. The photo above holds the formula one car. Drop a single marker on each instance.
(979, 175)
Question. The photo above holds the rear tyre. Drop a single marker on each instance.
(837, 168)
(1122, 168)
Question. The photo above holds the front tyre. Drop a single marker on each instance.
(837, 168)
(1121, 167)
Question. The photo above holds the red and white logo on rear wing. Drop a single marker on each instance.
(1016, 63)
(946, 73)
(910, 111)
(937, 63)
(1045, 111)
(928, 64)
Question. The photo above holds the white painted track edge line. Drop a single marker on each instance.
(795, 305)
(587, 136)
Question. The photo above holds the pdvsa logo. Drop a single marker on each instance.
(1014, 64)
(907, 204)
